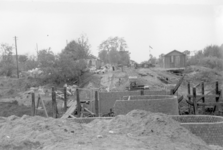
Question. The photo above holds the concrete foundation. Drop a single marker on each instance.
(107, 99)
(209, 128)
(165, 105)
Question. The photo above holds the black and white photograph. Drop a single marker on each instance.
(111, 74)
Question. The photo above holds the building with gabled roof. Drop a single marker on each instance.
(174, 59)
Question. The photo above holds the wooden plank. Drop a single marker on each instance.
(180, 98)
(209, 104)
(197, 85)
(43, 104)
(72, 116)
(70, 110)
(189, 103)
(174, 90)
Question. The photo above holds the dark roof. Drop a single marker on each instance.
(175, 51)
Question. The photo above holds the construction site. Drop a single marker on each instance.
(145, 108)
(111, 75)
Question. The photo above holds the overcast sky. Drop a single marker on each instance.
(163, 25)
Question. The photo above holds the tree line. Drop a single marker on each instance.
(68, 64)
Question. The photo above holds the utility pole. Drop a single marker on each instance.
(37, 49)
(16, 57)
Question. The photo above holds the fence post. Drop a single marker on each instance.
(65, 99)
(217, 93)
(195, 101)
(54, 104)
(78, 103)
(96, 104)
(189, 98)
(203, 98)
(33, 111)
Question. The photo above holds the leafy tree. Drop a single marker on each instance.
(103, 55)
(116, 43)
(46, 58)
(186, 52)
(114, 56)
(79, 49)
(124, 58)
(84, 44)
(22, 58)
(113, 50)
(31, 63)
(211, 56)
(7, 64)
(70, 63)
(212, 50)
(152, 59)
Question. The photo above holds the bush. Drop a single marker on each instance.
(212, 62)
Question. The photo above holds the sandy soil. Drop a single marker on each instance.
(136, 130)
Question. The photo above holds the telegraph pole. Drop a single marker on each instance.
(16, 57)
(37, 51)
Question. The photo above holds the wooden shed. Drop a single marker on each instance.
(174, 59)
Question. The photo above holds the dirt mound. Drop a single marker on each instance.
(136, 130)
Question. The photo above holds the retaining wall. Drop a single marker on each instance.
(208, 128)
(163, 105)
(107, 99)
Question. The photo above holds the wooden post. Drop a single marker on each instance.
(54, 105)
(38, 101)
(189, 99)
(203, 98)
(217, 98)
(65, 99)
(195, 101)
(96, 104)
(33, 112)
(142, 92)
(78, 103)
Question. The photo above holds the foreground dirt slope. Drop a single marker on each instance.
(136, 130)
